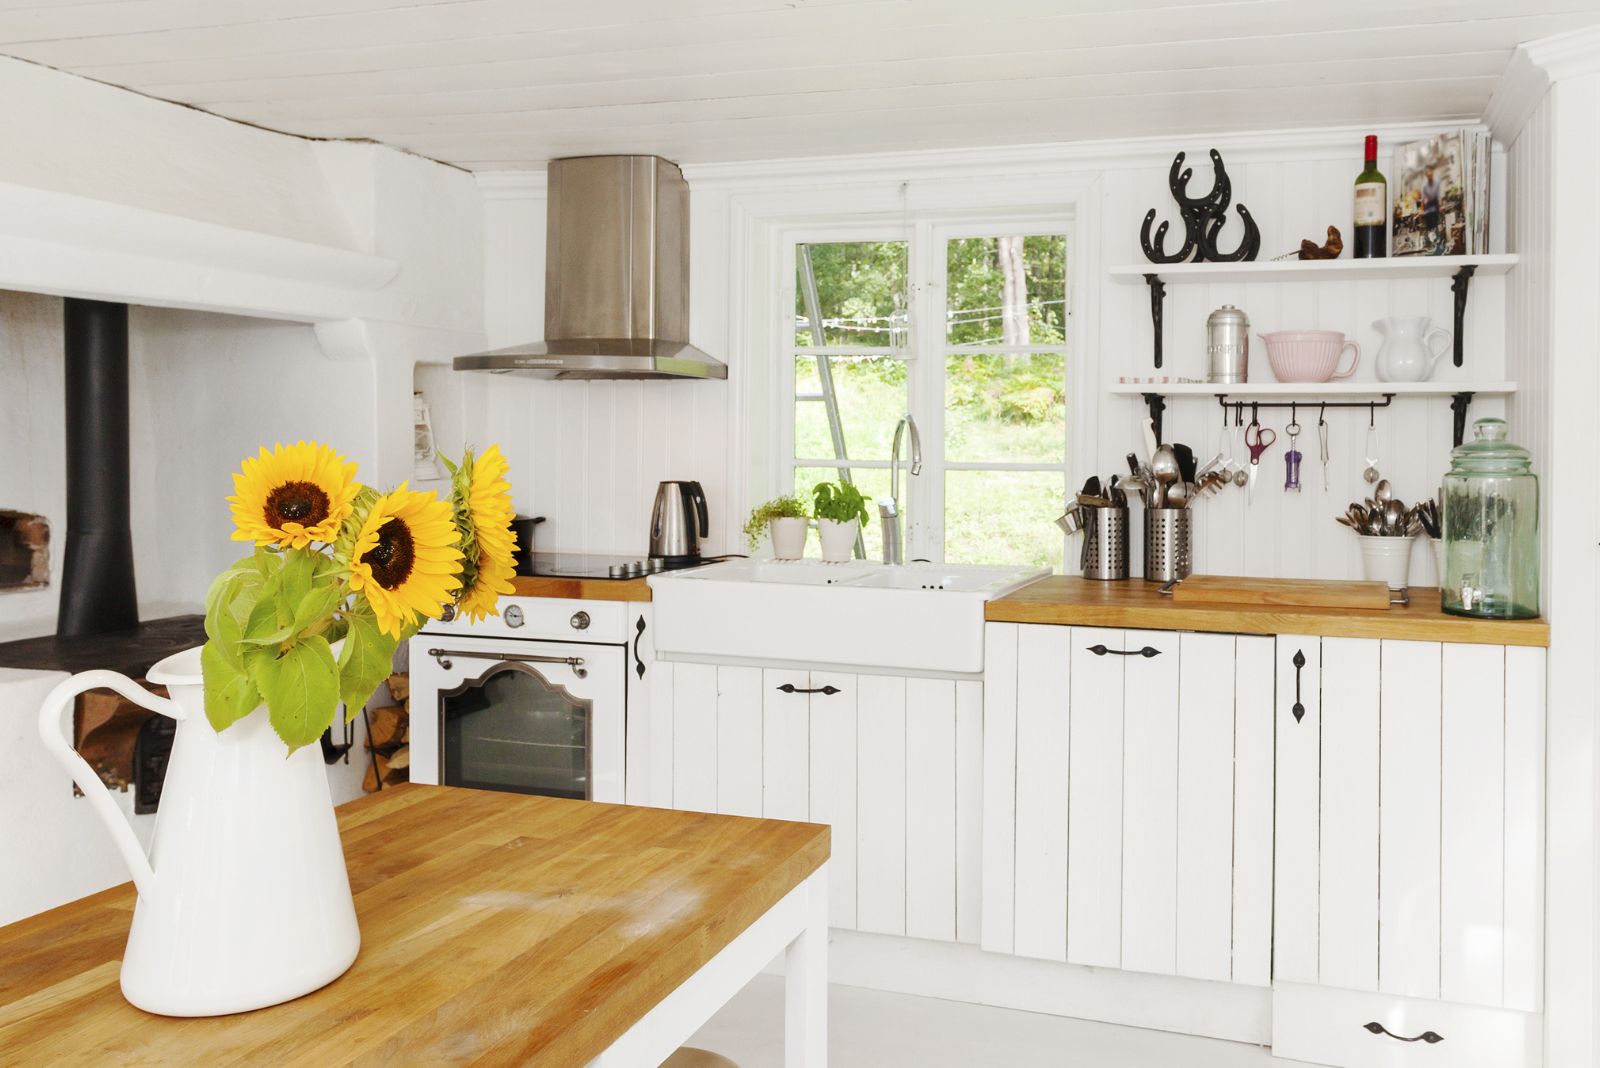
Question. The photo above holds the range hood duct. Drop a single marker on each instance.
(616, 283)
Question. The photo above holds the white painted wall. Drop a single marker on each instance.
(1547, 111)
(588, 455)
(340, 265)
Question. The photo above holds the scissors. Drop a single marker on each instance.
(1257, 439)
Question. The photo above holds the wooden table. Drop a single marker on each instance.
(496, 929)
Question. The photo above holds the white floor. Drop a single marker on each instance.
(874, 1029)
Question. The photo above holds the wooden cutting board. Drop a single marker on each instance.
(1297, 593)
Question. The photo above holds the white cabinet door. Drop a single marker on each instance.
(1150, 812)
(881, 804)
(1348, 861)
(1298, 804)
(1153, 852)
(832, 787)
(1094, 800)
(741, 739)
(781, 769)
(892, 764)
(1408, 822)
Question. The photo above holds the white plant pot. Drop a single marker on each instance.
(788, 538)
(838, 539)
(243, 898)
(1386, 560)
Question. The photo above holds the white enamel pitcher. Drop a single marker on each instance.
(243, 900)
(1409, 352)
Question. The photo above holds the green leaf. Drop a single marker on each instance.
(365, 660)
(299, 568)
(231, 694)
(317, 604)
(301, 689)
(264, 626)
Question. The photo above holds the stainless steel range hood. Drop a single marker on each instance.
(616, 283)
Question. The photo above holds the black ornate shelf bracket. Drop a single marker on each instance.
(1430, 1037)
(1458, 410)
(1157, 404)
(1158, 293)
(1458, 286)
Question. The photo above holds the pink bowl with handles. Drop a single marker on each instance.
(1309, 355)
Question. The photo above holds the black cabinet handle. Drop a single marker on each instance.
(638, 633)
(1430, 1037)
(790, 687)
(1299, 663)
(1147, 652)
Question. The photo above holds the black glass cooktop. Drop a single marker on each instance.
(600, 565)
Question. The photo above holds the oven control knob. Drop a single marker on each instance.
(580, 621)
(512, 615)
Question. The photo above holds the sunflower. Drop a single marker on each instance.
(293, 496)
(405, 560)
(484, 512)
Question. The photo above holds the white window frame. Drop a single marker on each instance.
(922, 497)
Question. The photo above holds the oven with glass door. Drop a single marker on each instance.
(533, 701)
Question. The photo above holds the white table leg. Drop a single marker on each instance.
(805, 984)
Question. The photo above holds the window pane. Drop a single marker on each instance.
(873, 484)
(871, 392)
(1003, 517)
(861, 294)
(1005, 408)
(1006, 290)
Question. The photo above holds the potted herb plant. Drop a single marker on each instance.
(783, 520)
(840, 510)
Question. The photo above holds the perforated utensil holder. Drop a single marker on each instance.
(1105, 547)
(1168, 544)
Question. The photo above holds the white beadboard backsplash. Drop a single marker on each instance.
(588, 455)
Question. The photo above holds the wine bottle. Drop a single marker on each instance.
(1371, 208)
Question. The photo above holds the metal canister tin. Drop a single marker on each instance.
(1227, 345)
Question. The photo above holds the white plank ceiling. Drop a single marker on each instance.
(493, 84)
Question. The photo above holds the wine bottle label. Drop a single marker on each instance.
(1370, 204)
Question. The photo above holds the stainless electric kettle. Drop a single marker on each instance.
(678, 521)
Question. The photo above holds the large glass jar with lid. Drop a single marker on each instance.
(1491, 528)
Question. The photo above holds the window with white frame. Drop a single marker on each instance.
(965, 326)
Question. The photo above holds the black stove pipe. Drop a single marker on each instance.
(97, 587)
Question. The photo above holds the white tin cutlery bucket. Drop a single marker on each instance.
(243, 899)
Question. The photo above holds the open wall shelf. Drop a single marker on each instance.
(1459, 269)
(1309, 395)
(1342, 270)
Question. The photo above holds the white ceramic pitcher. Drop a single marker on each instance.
(243, 900)
(1408, 353)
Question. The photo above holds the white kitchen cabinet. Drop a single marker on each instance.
(1127, 799)
(1407, 857)
(890, 763)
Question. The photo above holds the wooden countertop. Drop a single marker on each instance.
(584, 589)
(1068, 599)
(495, 928)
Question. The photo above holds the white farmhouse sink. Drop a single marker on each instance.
(915, 617)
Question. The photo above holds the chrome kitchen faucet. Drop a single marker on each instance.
(889, 508)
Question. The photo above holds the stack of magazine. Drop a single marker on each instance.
(1441, 200)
